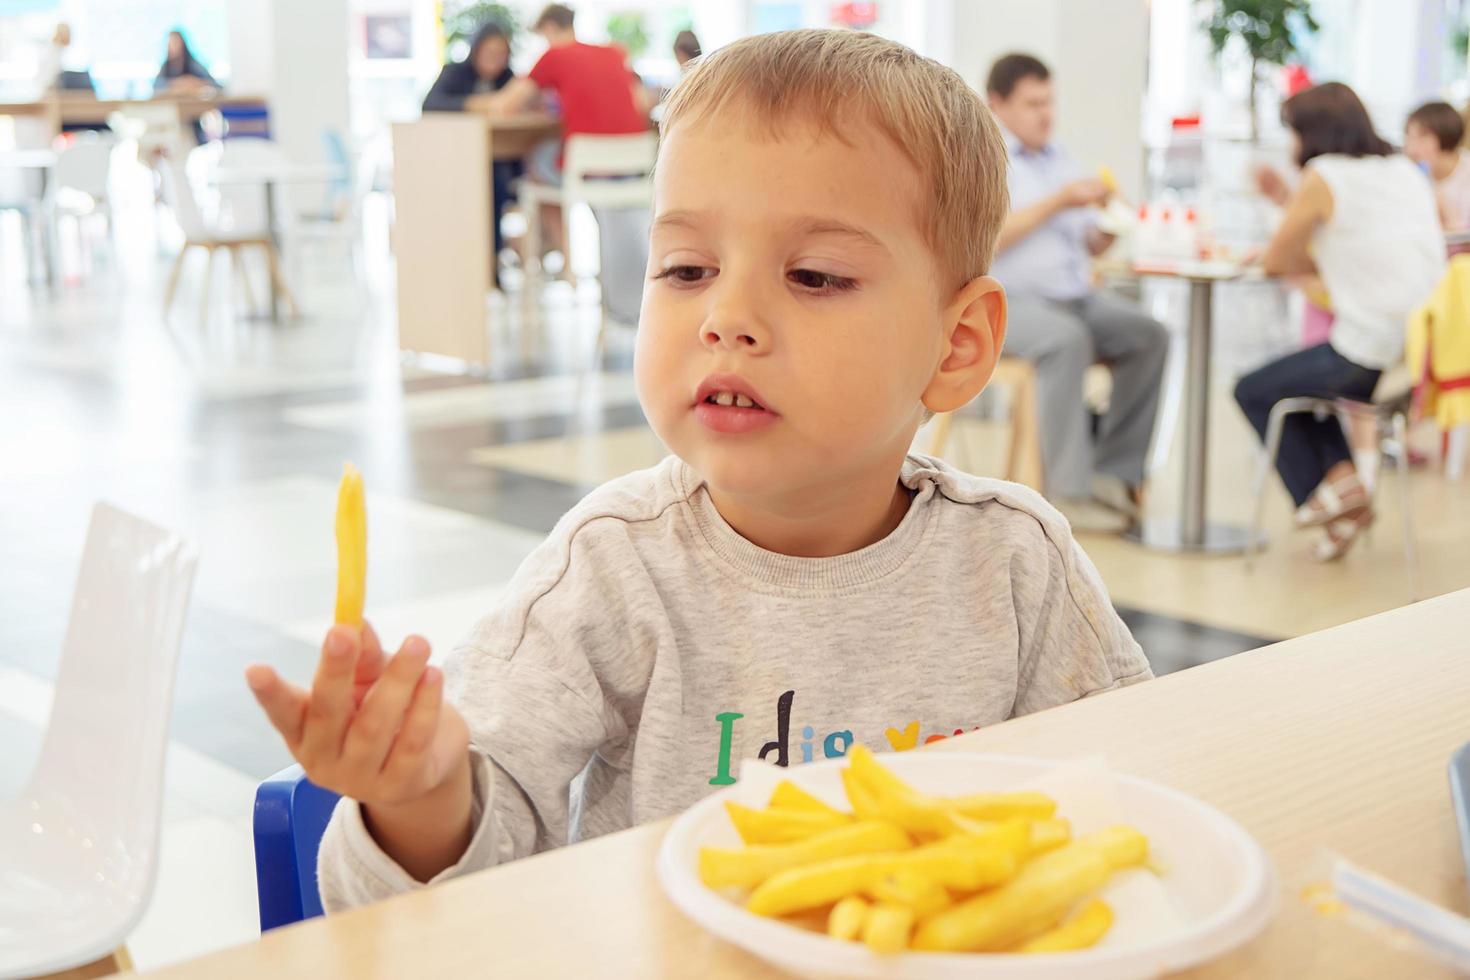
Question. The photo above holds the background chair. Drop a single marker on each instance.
(79, 846)
(200, 233)
(599, 171)
(1023, 457)
(1389, 410)
(79, 184)
(291, 814)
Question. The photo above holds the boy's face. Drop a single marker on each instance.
(791, 274)
(1420, 145)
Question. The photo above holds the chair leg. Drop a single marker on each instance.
(173, 279)
(237, 262)
(1269, 449)
(1025, 464)
(1411, 548)
(204, 288)
(531, 204)
(273, 261)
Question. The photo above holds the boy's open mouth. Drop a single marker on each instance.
(729, 398)
(728, 404)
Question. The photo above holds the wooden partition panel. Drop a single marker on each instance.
(441, 187)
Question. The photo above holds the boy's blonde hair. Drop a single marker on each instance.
(832, 78)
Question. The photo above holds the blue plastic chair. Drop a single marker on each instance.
(291, 814)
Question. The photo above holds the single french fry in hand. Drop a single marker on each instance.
(1083, 929)
(916, 892)
(1109, 180)
(778, 826)
(749, 866)
(789, 796)
(886, 928)
(351, 547)
(846, 918)
(1037, 898)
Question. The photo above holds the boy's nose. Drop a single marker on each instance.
(731, 330)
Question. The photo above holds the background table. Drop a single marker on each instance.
(1192, 531)
(1338, 740)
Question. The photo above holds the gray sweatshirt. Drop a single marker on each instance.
(645, 648)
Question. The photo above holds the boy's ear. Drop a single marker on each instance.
(975, 331)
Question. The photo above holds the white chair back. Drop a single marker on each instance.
(178, 194)
(609, 171)
(79, 846)
(84, 166)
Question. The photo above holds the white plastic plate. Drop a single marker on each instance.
(1215, 893)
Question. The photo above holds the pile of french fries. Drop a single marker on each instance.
(994, 872)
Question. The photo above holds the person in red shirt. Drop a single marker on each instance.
(595, 88)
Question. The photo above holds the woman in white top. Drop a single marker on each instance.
(1363, 219)
(1432, 136)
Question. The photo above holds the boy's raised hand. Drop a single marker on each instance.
(373, 728)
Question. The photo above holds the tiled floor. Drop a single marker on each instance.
(234, 431)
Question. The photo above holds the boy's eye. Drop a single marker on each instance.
(820, 282)
(686, 274)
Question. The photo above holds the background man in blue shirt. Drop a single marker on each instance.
(1059, 322)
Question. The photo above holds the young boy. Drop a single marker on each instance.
(1432, 136)
(792, 581)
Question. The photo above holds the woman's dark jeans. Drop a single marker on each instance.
(1309, 446)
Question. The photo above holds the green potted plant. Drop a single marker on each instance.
(462, 18)
(628, 31)
(1270, 30)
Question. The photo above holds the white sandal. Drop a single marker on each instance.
(1345, 498)
(1341, 534)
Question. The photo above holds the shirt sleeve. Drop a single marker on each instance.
(544, 73)
(1073, 644)
(530, 683)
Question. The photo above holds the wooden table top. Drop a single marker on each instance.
(1337, 741)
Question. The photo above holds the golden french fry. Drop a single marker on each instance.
(1037, 898)
(864, 806)
(1083, 929)
(351, 547)
(847, 917)
(999, 806)
(959, 866)
(914, 891)
(750, 866)
(777, 826)
(789, 796)
(1049, 834)
(1105, 174)
(932, 816)
(886, 928)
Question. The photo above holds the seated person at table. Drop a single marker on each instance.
(1060, 323)
(464, 84)
(686, 48)
(793, 581)
(1363, 220)
(181, 72)
(595, 89)
(1432, 136)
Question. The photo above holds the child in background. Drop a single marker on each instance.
(1432, 137)
(793, 581)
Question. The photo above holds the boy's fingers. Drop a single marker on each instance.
(377, 722)
(331, 705)
(371, 660)
(416, 736)
(284, 704)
